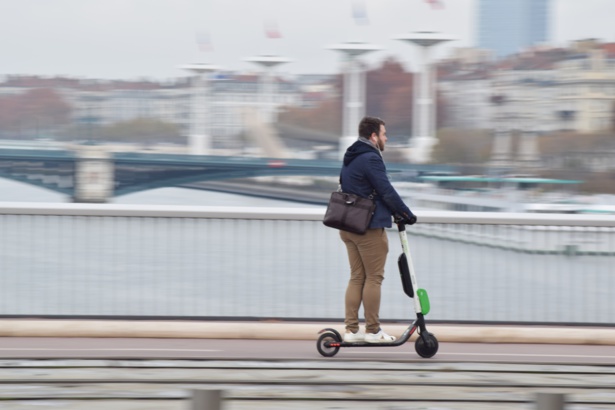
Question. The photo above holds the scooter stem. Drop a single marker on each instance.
(404, 245)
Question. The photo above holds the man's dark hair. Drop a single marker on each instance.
(369, 125)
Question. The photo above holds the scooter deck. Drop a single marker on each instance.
(403, 339)
(397, 342)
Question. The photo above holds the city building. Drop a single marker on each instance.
(96, 103)
(585, 98)
(540, 89)
(464, 82)
(509, 26)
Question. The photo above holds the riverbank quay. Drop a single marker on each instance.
(296, 330)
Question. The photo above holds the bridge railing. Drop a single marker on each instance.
(209, 262)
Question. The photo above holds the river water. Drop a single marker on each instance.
(12, 191)
(294, 270)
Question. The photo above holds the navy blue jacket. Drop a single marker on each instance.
(363, 171)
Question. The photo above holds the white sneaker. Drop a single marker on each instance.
(354, 337)
(379, 337)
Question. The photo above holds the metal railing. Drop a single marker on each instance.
(206, 262)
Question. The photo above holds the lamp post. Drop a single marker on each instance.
(424, 115)
(199, 138)
(354, 91)
(267, 86)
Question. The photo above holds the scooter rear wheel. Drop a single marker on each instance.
(323, 349)
(426, 345)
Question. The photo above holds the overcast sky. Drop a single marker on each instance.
(130, 39)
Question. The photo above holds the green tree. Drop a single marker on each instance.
(454, 146)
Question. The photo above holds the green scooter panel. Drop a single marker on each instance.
(423, 300)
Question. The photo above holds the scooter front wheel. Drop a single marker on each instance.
(426, 345)
(324, 340)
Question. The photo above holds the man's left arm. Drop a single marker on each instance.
(379, 179)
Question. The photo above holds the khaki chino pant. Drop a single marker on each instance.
(367, 256)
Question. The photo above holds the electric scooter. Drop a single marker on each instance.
(426, 345)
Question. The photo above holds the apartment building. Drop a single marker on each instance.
(585, 98)
(540, 90)
(467, 95)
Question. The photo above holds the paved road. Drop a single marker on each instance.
(222, 349)
(145, 365)
(160, 373)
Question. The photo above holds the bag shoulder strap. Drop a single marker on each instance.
(339, 188)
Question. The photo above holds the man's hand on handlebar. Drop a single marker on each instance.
(406, 219)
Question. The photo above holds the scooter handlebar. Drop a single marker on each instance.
(402, 221)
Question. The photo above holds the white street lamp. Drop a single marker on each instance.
(424, 117)
(199, 139)
(267, 86)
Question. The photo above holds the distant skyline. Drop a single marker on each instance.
(132, 39)
(508, 26)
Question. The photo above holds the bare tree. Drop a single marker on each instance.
(38, 112)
